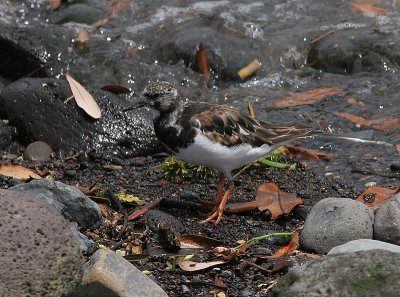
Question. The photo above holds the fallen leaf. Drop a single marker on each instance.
(307, 97)
(198, 242)
(366, 8)
(18, 172)
(83, 36)
(227, 253)
(196, 266)
(116, 89)
(113, 167)
(249, 69)
(105, 210)
(307, 154)
(359, 121)
(291, 247)
(145, 208)
(282, 202)
(387, 125)
(55, 4)
(381, 125)
(398, 148)
(100, 23)
(375, 196)
(220, 288)
(250, 110)
(129, 198)
(117, 6)
(270, 197)
(83, 98)
(202, 61)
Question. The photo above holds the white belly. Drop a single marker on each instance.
(207, 153)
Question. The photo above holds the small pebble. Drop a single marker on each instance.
(395, 166)
(370, 184)
(70, 172)
(38, 151)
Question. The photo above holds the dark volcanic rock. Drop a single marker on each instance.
(67, 200)
(36, 107)
(38, 254)
(27, 49)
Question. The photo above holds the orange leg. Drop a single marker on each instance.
(217, 214)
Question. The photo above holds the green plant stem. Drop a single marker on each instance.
(256, 239)
(274, 164)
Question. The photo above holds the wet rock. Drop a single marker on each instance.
(6, 134)
(108, 275)
(28, 48)
(67, 200)
(369, 273)
(79, 13)
(387, 221)
(221, 58)
(154, 217)
(351, 51)
(364, 245)
(334, 221)
(38, 151)
(39, 256)
(36, 107)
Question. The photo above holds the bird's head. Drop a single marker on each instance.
(160, 95)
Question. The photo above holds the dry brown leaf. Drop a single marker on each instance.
(195, 266)
(307, 97)
(249, 69)
(282, 202)
(55, 4)
(202, 61)
(375, 196)
(117, 6)
(307, 154)
(197, 242)
(366, 8)
(100, 23)
(18, 172)
(83, 36)
(145, 208)
(359, 121)
(381, 125)
(83, 98)
(398, 148)
(387, 125)
(116, 89)
(270, 197)
(290, 248)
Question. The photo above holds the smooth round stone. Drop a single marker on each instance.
(38, 151)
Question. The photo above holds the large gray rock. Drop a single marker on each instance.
(362, 274)
(38, 254)
(67, 200)
(387, 221)
(334, 221)
(109, 275)
(364, 245)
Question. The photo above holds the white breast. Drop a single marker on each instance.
(207, 153)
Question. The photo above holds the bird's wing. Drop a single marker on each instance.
(230, 127)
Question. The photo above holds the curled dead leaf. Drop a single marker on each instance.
(202, 61)
(197, 242)
(249, 69)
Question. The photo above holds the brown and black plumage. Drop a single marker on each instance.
(216, 136)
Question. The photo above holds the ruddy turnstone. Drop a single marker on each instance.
(215, 136)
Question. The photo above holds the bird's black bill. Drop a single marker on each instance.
(137, 105)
